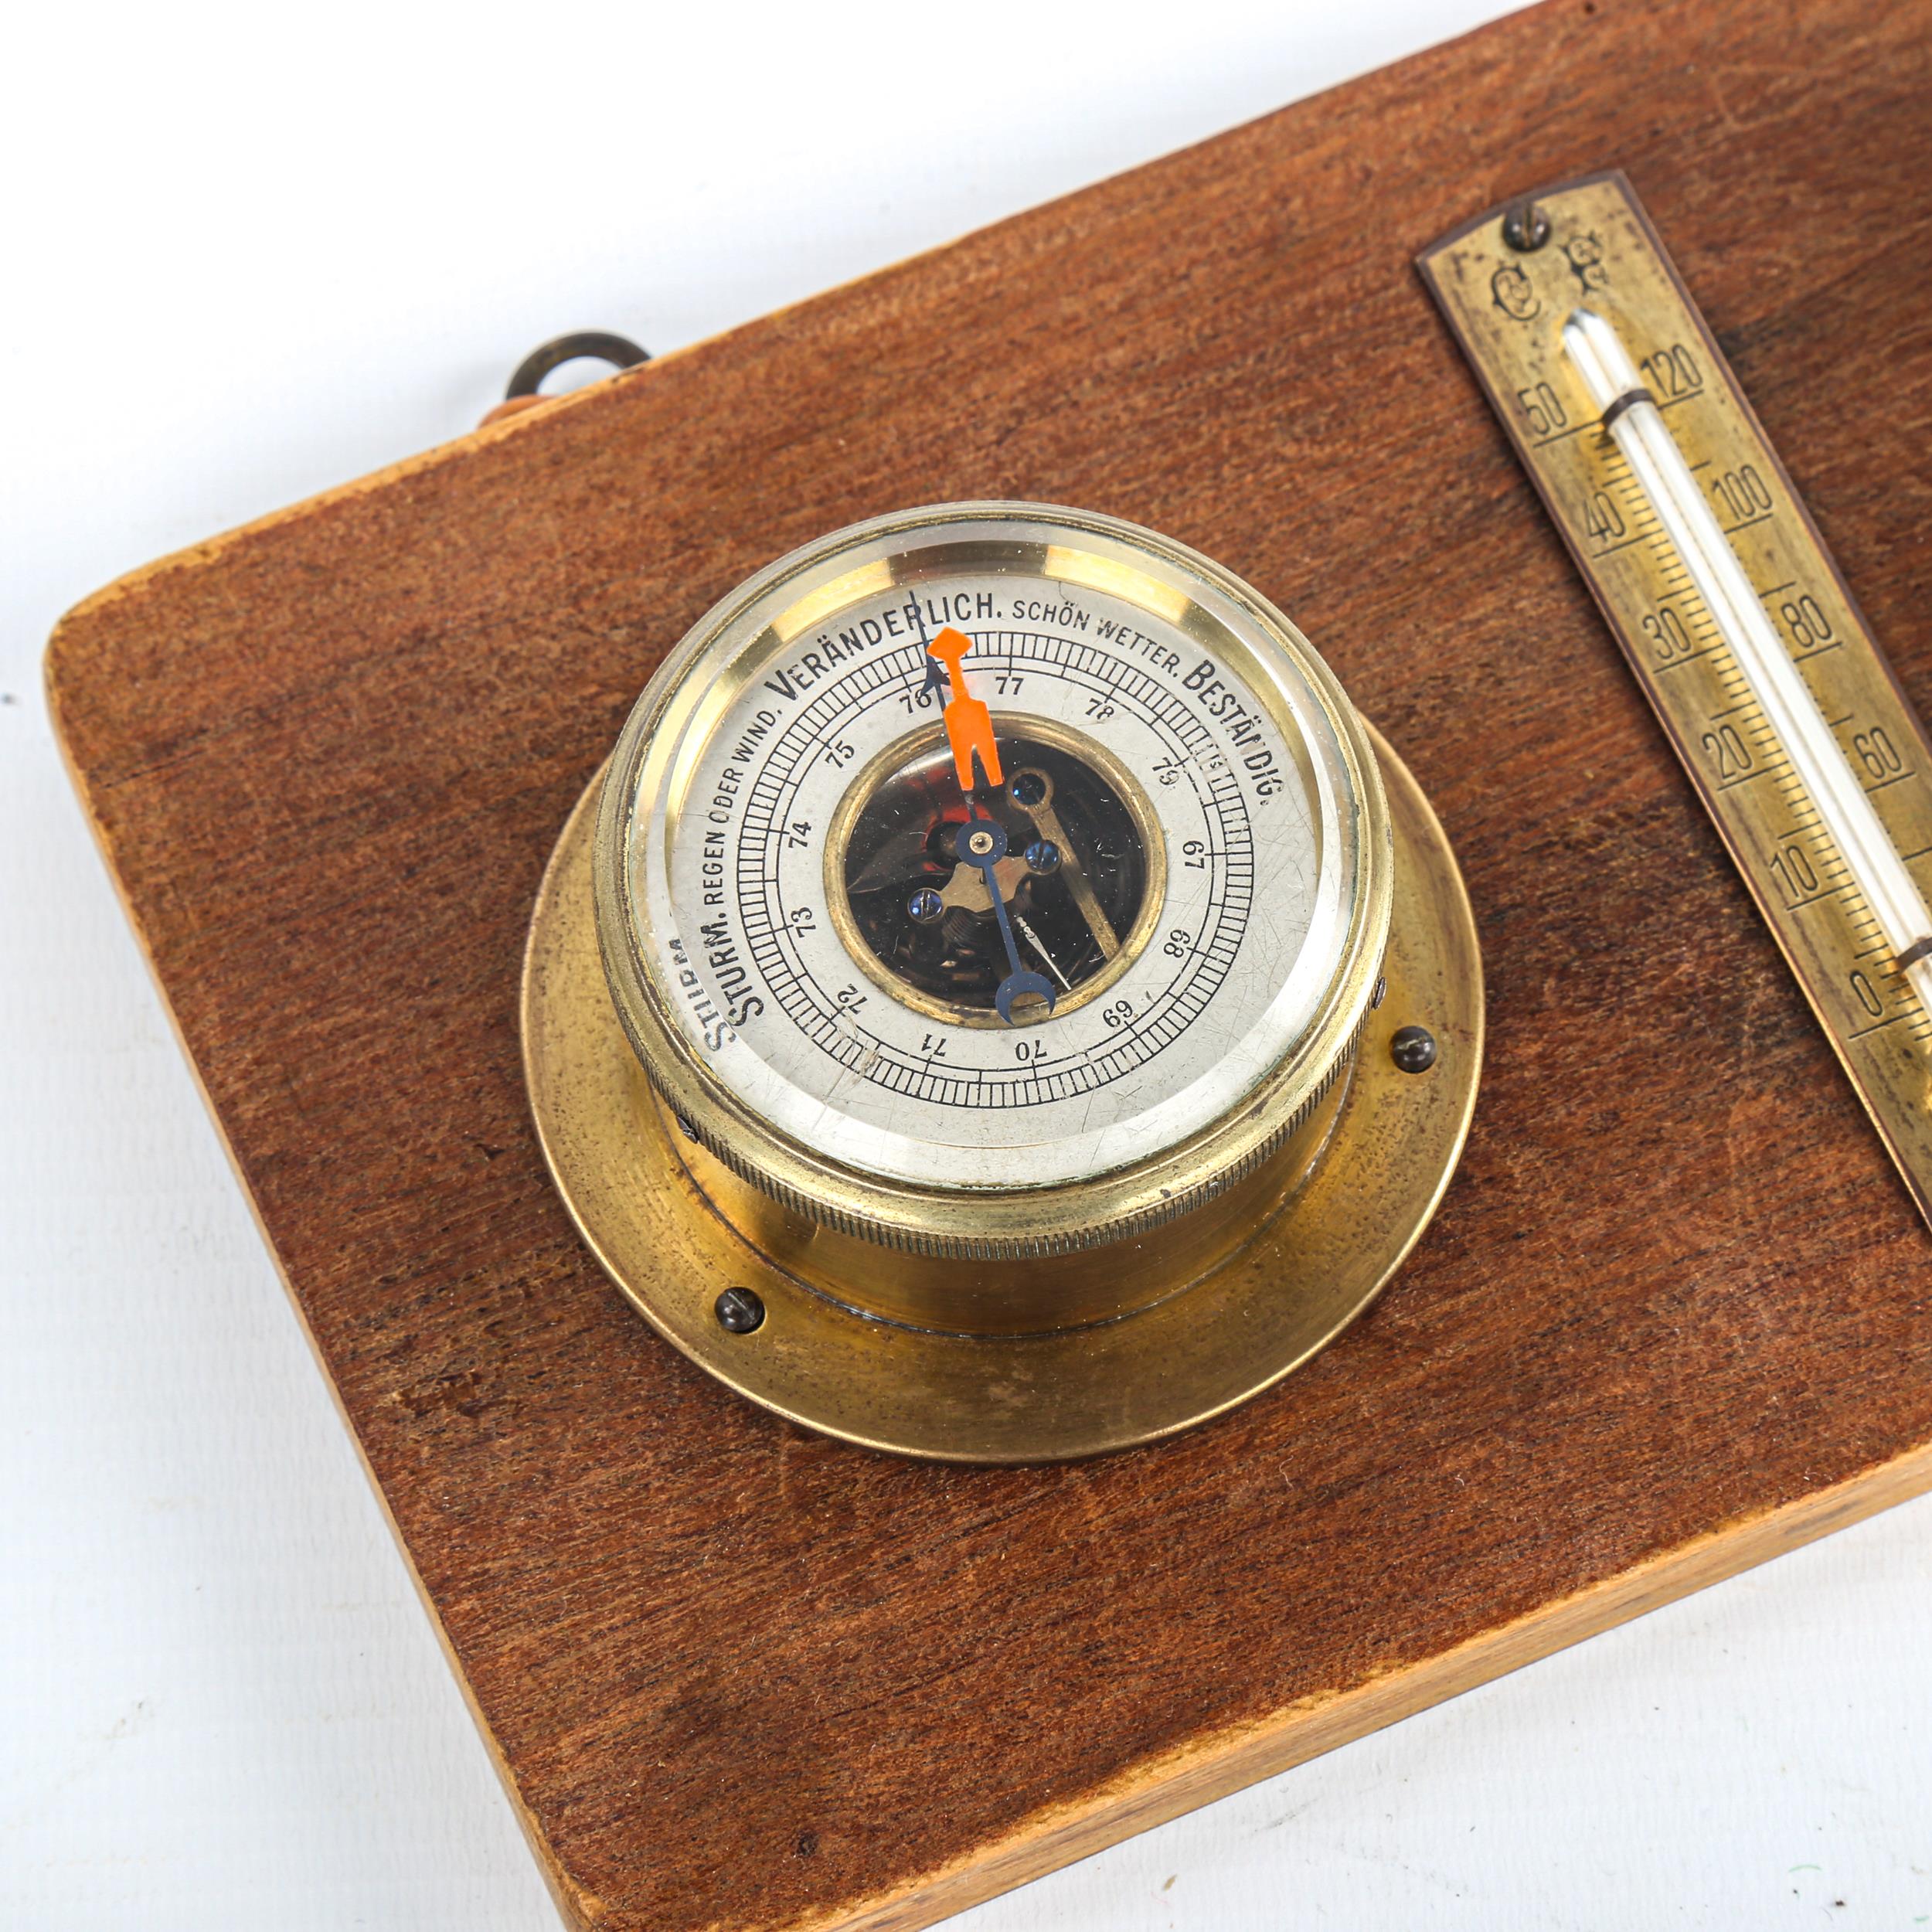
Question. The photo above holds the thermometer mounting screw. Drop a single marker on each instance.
(925, 906)
(1525, 227)
(1413, 1049)
(739, 1311)
(1042, 855)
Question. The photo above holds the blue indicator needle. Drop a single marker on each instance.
(935, 680)
(982, 843)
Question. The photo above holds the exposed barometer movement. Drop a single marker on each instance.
(999, 1001)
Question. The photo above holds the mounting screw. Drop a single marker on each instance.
(1380, 993)
(739, 1311)
(1525, 227)
(1042, 855)
(1413, 1049)
(925, 906)
(1028, 788)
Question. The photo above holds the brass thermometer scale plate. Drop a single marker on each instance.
(1507, 282)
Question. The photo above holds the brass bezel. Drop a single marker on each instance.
(929, 737)
(1081, 549)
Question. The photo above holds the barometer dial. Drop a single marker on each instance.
(993, 879)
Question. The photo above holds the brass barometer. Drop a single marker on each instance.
(1000, 1001)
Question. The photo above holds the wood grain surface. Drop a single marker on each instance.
(1676, 1310)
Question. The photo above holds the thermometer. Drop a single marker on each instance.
(1729, 607)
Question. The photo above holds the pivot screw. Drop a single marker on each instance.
(1525, 227)
(925, 906)
(1413, 1049)
(739, 1311)
(1043, 856)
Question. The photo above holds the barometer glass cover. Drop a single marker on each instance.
(992, 874)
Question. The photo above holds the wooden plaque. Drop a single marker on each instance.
(1677, 1312)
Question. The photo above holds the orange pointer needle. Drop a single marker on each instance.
(969, 724)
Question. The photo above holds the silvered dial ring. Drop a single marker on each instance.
(1220, 878)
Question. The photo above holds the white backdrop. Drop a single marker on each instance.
(252, 251)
